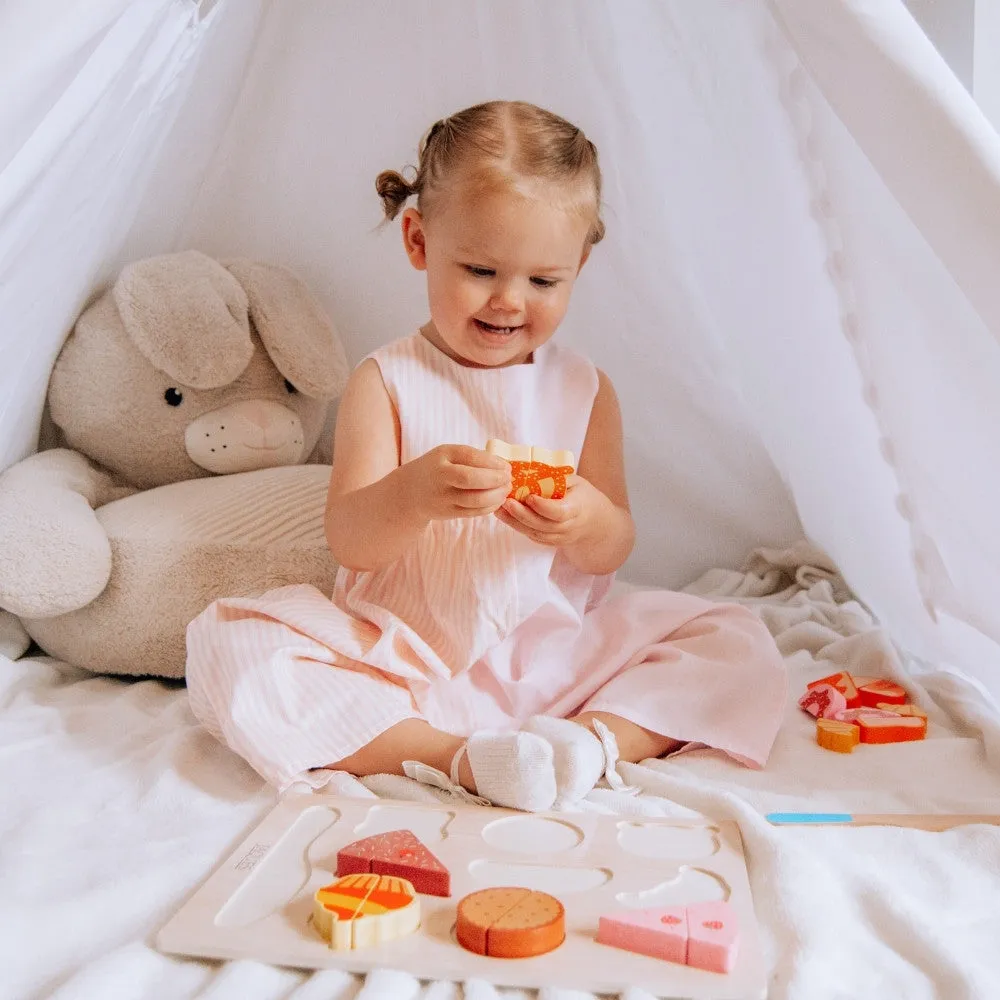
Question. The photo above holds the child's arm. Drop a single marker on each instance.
(592, 525)
(376, 507)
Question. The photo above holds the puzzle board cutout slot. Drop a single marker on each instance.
(283, 873)
(692, 885)
(551, 879)
(532, 835)
(429, 825)
(685, 843)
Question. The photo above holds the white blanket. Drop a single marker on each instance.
(114, 806)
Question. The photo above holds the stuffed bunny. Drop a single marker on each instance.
(188, 397)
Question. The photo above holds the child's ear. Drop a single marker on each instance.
(414, 240)
(585, 256)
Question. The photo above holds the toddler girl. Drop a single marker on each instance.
(470, 642)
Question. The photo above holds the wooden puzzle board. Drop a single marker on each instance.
(258, 903)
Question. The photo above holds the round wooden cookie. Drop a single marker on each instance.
(510, 922)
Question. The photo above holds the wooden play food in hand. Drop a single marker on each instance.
(399, 853)
(510, 922)
(534, 470)
(363, 910)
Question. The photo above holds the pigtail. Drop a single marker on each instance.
(394, 190)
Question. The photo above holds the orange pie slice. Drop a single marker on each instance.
(362, 910)
(537, 471)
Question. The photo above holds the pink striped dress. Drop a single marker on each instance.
(476, 626)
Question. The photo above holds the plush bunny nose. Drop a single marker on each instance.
(261, 414)
(240, 437)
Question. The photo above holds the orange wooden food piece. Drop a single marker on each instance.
(844, 683)
(881, 690)
(907, 710)
(360, 910)
(510, 922)
(876, 728)
(842, 737)
(537, 471)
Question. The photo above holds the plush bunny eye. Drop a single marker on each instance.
(291, 388)
(173, 397)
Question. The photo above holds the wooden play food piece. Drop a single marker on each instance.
(880, 690)
(702, 935)
(823, 701)
(853, 714)
(660, 932)
(534, 470)
(907, 710)
(510, 922)
(832, 734)
(399, 853)
(713, 936)
(844, 683)
(886, 727)
(362, 910)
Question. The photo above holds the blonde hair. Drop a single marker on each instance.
(512, 139)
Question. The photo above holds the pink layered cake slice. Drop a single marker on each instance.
(702, 935)
(713, 936)
(661, 932)
(397, 853)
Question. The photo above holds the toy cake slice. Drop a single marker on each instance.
(398, 853)
(534, 470)
(701, 935)
(363, 910)
(661, 932)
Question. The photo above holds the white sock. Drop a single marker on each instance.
(582, 756)
(577, 754)
(512, 769)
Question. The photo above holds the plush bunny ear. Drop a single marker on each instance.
(188, 316)
(294, 329)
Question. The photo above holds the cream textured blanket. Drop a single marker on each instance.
(115, 806)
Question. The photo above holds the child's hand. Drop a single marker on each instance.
(455, 480)
(556, 522)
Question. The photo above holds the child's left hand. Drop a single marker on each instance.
(556, 522)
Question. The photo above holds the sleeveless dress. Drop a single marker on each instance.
(475, 626)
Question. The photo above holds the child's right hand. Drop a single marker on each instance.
(455, 480)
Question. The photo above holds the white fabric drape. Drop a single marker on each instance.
(904, 184)
(796, 299)
(70, 191)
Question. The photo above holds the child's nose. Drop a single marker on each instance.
(507, 298)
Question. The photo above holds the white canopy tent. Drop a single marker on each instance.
(797, 299)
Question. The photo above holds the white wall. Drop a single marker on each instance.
(950, 25)
(967, 34)
(986, 58)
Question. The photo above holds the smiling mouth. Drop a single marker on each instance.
(497, 331)
(261, 447)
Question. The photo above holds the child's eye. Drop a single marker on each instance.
(480, 272)
(545, 282)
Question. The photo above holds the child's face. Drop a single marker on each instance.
(500, 269)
